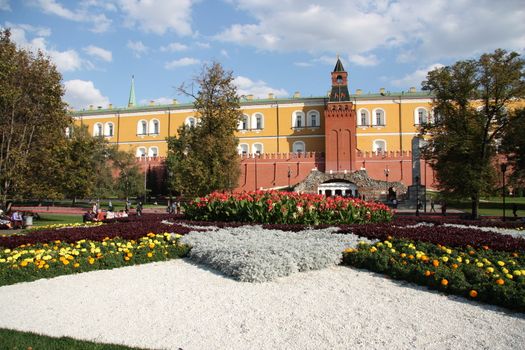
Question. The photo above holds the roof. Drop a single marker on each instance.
(339, 66)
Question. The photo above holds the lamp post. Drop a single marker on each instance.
(417, 195)
(289, 175)
(503, 170)
(387, 172)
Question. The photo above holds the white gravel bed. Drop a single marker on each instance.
(254, 254)
(176, 304)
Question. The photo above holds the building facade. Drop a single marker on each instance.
(282, 140)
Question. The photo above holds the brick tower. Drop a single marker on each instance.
(340, 125)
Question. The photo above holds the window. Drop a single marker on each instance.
(191, 122)
(243, 125)
(379, 146)
(257, 148)
(258, 121)
(153, 152)
(379, 117)
(109, 129)
(141, 152)
(142, 127)
(298, 120)
(154, 127)
(420, 116)
(97, 129)
(313, 119)
(363, 118)
(298, 147)
(243, 149)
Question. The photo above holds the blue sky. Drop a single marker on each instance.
(278, 46)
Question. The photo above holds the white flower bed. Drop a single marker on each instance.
(253, 254)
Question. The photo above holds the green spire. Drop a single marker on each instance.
(339, 66)
(132, 101)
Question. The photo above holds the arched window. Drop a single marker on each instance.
(421, 116)
(109, 129)
(153, 152)
(379, 146)
(97, 130)
(243, 148)
(191, 122)
(379, 117)
(298, 147)
(363, 117)
(258, 121)
(141, 152)
(154, 127)
(257, 148)
(244, 123)
(142, 127)
(314, 119)
(298, 119)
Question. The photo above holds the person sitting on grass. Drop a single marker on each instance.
(88, 216)
(18, 220)
(5, 221)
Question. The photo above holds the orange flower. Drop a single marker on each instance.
(471, 252)
(500, 281)
(76, 265)
(444, 282)
(411, 257)
(473, 293)
(427, 273)
(485, 247)
(454, 266)
(435, 263)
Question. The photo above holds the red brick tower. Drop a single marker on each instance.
(340, 125)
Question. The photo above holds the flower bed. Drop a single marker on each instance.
(285, 208)
(133, 228)
(62, 226)
(483, 274)
(44, 260)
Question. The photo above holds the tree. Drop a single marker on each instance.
(130, 180)
(513, 145)
(471, 108)
(203, 157)
(33, 119)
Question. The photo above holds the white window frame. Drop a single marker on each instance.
(374, 146)
(141, 130)
(255, 146)
(374, 117)
(359, 118)
(98, 129)
(244, 123)
(153, 151)
(315, 114)
(299, 144)
(244, 148)
(191, 122)
(417, 121)
(109, 126)
(296, 114)
(254, 121)
(152, 127)
(141, 152)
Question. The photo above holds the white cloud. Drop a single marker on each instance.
(89, 12)
(174, 47)
(4, 5)
(159, 16)
(65, 61)
(99, 53)
(182, 62)
(158, 101)
(225, 53)
(137, 47)
(259, 88)
(203, 45)
(431, 30)
(364, 60)
(415, 78)
(303, 64)
(82, 93)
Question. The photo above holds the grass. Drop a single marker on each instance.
(493, 206)
(17, 340)
(50, 219)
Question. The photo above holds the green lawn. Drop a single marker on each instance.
(16, 340)
(493, 206)
(49, 219)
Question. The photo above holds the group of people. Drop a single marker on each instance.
(98, 214)
(13, 220)
(173, 207)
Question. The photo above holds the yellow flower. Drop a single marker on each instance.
(129, 255)
(151, 245)
(504, 270)
(501, 263)
(444, 258)
(91, 260)
(373, 250)
(126, 258)
(479, 264)
(149, 254)
(403, 255)
(65, 262)
(517, 273)
(23, 263)
(46, 266)
(509, 276)
(459, 259)
(490, 269)
(76, 265)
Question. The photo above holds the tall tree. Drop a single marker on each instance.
(33, 118)
(471, 107)
(513, 145)
(130, 180)
(203, 157)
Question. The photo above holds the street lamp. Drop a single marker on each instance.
(503, 170)
(387, 172)
(289, 175)
(417, 195)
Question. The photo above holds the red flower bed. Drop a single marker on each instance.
(126, 228)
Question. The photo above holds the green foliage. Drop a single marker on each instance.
(496, 277)
(463, 138)
(513, 145)
(32, 122)
(203, 157)
(130, 181)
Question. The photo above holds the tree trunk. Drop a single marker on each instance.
(74, 201)
(475, 206)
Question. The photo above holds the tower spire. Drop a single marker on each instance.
(132, 101)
